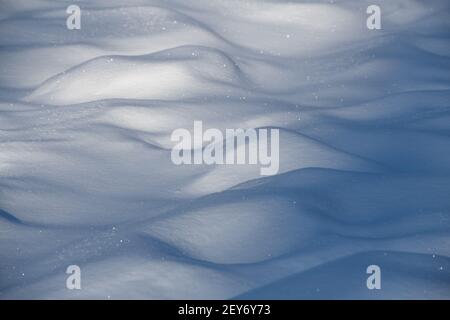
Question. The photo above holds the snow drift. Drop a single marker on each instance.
(85, 171)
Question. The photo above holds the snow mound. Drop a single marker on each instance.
(179, 73)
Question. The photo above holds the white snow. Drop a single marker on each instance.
(85, 171)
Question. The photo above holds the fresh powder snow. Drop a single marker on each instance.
(87, 180)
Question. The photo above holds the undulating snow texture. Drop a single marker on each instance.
(86, 176)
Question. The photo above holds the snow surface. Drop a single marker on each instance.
(85, 171)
